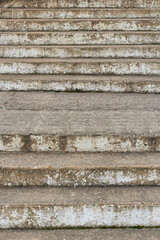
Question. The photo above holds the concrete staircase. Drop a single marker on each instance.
(80, 119)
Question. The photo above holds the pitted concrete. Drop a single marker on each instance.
(81, 66)
(78, 13)
(79, 207)
(71, 83)
(81, 3)
(117, 51)
(79, 38)
(79, 143)
(73, 170)
(80, 25)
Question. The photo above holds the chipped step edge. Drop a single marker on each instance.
(102, 67)
(131, 51)
(92, 215)
(79, 143)
(79, 38)
(79, 176)
(21, 25)
(80, 4)
(77, 13)
(119, 86)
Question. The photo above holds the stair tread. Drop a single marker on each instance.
(84, 3)
(102, 13)
(77, 60)
(81, 78)
(78, 196)
(79, 160)
(77, 170)
(80, 24)
(80, 38)
(88, 234)
(53, 101)
(70, 122)
(82, 83)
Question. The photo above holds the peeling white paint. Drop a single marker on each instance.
(84, 143)
(79, 216)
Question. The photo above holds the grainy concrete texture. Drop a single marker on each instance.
(132, 51)
(79, 142)
(78, 13)
(80, 38)
(88, 234)
(79, 169)
(82, 83)
(80, 25)
(80, 3)
(79, 207)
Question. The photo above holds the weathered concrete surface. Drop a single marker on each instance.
(77, 160)
(117, 51)
(54, 101)
(79, 143)
(80, 66)
(88, 234)
(79, 169)
(79, 38)
(71, 122)
(78, 13)
(79, 207)
(80, 25)
(81, 3)
(71, 83)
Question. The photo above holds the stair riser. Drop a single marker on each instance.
(79, 13)
(88, 52)
(72, 177)
(81, 3)
(79, 38)
(81, 25)
(52, 143)
(82, 86)
(110, 68)
(61, 216)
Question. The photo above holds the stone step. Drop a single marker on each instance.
(80, 3)
(55, 101)
(71, 83)
(80, 66)
(88, 234)
(83, 121)
(75, 170)
(80, 25)
(79, 207)
(116, 51)
(79, 143)
(78, 13)
(79, 38)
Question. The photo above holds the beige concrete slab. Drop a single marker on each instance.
(80, 25)
(54, 101)
(66, 122)
(88, 234)
(79, 13)
(116, 51)
(79, 38)
(80, 3)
